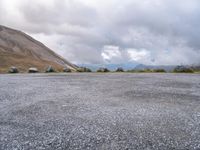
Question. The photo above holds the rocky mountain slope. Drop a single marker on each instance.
(20, 50)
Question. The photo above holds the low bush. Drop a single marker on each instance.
(103, 70)
(84, 69)
(147, 71)
(159, 70)
(120, 70)
(67, 70)
(144, 71)
(183, 69)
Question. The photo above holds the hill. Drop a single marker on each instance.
(21, 50)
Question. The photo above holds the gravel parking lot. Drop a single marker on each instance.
(100, 111)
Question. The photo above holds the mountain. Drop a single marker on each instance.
(22, 51)
(112, 67)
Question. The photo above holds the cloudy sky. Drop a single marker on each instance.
(156, 32)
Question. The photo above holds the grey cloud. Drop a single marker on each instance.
(72, 12)
(167, 19)
(168, 30)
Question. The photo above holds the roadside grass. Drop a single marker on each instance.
(197, 72)
(147, 71)
(119, 70)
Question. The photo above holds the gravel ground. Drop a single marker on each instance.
(100, 111)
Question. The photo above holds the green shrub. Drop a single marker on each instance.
(159, 70)
(120, 70)
(131, 71)
(145, 71)
(183, 69)
(103, 70)
(84, 69)
(67, 70)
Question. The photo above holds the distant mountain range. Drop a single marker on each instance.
(127, 66)
(135, 66)
(22, 51)
(112, 67)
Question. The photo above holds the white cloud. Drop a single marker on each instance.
(141, 56)
(110, 52)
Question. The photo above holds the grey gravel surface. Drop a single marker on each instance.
(100, 111)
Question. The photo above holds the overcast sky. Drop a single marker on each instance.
(156, 32)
